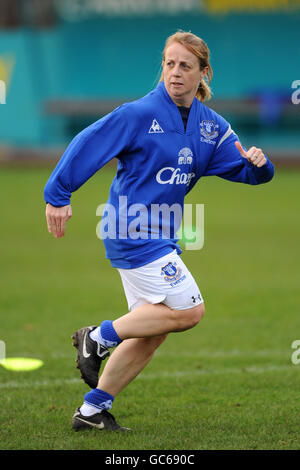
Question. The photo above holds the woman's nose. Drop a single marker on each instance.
(176, 71)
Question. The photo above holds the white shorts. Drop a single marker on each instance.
(166, 280)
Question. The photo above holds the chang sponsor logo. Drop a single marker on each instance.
(170, 175)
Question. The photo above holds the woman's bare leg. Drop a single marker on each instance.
(126, 362)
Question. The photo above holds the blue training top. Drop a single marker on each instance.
(159, 162)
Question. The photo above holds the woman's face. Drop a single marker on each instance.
(181, 74)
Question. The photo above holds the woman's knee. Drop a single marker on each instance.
(190, 317)
(200, 312)
(196, 314)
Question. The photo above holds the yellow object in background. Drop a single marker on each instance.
(226, 6)
(7, 63)
(19, 364)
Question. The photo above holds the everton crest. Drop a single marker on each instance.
(171, 272)
(208, 129)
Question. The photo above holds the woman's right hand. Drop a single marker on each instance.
(57, 218)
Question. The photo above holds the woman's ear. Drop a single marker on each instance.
(204, 72)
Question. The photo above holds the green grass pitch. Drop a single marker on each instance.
(229, 383)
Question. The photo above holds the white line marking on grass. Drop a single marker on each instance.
(39, 383)
(226, 370)
(233, 353)
(161, 375)
(197, 354)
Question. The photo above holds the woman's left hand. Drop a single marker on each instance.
(253, 155)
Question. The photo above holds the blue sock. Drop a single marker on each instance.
(108, 335)
(95, 401)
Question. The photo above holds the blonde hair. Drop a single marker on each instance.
(199, 48)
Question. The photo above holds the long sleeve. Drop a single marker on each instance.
(89, 151)
(228, 163)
